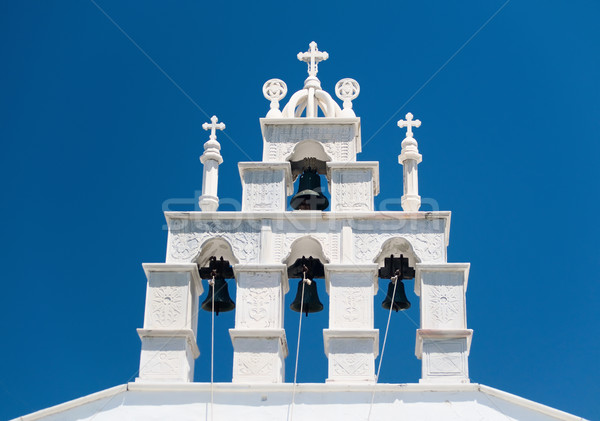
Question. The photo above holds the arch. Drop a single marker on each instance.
(323, 101)
(306, 245)
(215, 246)
(397, 246)
(308, 149)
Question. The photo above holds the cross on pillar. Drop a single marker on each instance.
(409, 123)
(313, 56)
(213, 126)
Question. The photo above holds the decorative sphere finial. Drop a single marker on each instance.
(274, 90)
(347, 89)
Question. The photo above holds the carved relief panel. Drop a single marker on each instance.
(264, 190)
(426, 238)
(337, 140)
(259, 300)
(351, 359)
(444, 358)
(167, 301)
(443, 300)
(351, 190)
(186, 238)
(257, 360)
(166, 359)
(351, 300)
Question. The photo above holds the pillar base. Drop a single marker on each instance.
(259, 355)
(351, 354)
(167, 355)
(208, 203)
(444, 355)
(410, 203)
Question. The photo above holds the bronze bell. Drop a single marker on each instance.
(398, 269)
(309, 268)
(400, 300)
(309, 196)
(217, 270)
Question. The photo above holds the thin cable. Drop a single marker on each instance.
(436, 72)
(383, 347)
(212, 350)
(304, 281)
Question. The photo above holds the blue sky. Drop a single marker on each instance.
(98, 141)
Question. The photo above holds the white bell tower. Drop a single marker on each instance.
(350, 239)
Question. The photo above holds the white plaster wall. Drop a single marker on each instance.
(408, 402)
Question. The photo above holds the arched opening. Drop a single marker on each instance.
(397, 246)
(402, 323)
(308, 162)
(312, 362)
(214, 247)
(218, 247)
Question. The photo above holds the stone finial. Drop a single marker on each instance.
(211, 159)
(313, 56)
(212, 147)
(274, 90)
(409, 158)
(347, 90)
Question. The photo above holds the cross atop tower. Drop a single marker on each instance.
(313, 56)
(409, 123)
(213, 126)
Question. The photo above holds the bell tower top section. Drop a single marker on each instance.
(311, 123)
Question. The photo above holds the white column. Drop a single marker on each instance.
(211, 159)
(443, 341)
(351, 342)
(353, 185)
(266, 186)
(170, 323)
(410, 158)
(259, 342)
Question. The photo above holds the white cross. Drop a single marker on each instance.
(313, 56)
(213, 126)
(409, 123)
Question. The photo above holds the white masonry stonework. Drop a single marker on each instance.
(351, 238)
(170, 324)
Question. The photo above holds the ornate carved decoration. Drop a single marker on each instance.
(255, 364)
(353, 190)
(428, 247)
(164, 363)
(166, 306)
(274, 90)
(347, 89)
(445, 358)
(259, 307)
(244, 239)
(263, 190)
(445, 303)
(353, 304)
(336, 140)
(351, 364)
